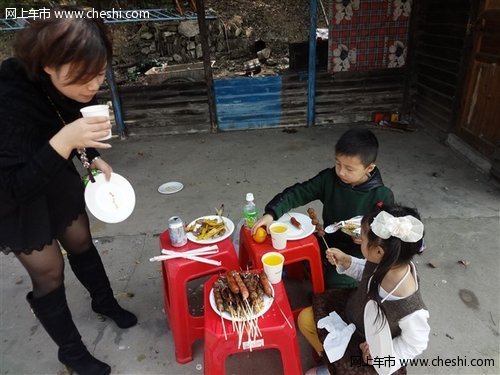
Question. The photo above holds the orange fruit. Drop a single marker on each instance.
(260, 235)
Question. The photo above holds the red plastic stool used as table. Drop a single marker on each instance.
(276, 334)
(250, 253)
(187, 328)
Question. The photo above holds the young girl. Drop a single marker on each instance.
(58, 67)
(390, 237)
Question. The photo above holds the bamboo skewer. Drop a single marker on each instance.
(283, 313)
(326, 244)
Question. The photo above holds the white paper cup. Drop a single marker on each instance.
(279, 232)
(100, 110)
(273, 266)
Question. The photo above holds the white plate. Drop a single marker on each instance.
(110, 201)
(295, 233)
(229, 229)
(268, 301)
(170, 187)
(378, 338)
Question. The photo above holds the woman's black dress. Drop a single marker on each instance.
(41, 193)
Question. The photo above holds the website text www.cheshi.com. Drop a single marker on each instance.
(45, 13)
(439, 361)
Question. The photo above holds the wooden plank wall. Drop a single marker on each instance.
(260, 102)
(174, 108)
(345, 97)
(348, 97)
(441, 31)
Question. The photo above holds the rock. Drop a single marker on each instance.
(147, 35)
(145, 50)
(189, 28)
(166, 34)
(177, 58)
(191, 45)
(199, 51)
(237, 32)
(264, 54)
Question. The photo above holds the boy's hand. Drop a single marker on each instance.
(338, 258)
(264, 221)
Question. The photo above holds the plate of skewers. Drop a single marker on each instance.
(299, 225)
(241, 296)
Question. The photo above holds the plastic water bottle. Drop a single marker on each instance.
(250, 211)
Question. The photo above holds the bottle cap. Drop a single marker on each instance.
(249, 197)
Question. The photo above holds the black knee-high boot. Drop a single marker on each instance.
(89, 269)
(53, 312)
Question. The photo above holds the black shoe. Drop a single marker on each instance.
(122, 317)
(89, 270)
(84, 364)
(53, 313)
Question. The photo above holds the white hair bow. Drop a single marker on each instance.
(406, 228)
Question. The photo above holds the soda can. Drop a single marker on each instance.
(176, 231)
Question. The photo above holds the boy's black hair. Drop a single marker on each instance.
(358, 142)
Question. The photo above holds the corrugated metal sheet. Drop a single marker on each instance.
(248, 102)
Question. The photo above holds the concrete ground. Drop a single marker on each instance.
(459, 271)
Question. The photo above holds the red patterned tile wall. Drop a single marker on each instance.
(368, 34)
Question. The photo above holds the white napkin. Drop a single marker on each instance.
(338, 337)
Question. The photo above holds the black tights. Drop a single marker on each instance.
(46, 267)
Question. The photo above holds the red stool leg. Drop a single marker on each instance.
(179, 323)
(317, 281)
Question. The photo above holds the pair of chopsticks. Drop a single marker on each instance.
(196, 254)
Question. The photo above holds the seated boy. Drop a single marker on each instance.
(349, 189)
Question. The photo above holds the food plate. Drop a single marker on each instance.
(110, 201)
(170, 187)
(229, 230)
(295, 233)
(268, 301)
(379, 339)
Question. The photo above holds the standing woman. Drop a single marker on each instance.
(58, 67)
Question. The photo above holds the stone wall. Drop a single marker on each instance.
(180, 42)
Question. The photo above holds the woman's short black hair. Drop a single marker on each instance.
(53, 42)
(358, 142)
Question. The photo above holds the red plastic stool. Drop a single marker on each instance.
(187, 328)
(250, 253)
(276, 334)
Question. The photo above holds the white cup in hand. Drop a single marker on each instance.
(100, 110)
(279, 233)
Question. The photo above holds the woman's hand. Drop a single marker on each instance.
(264, 221)
(81, 133)
(103, 167)
(365, 353)
(338, 258)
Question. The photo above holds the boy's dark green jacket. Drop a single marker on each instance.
(340, 202)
